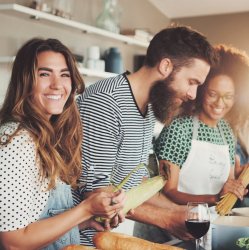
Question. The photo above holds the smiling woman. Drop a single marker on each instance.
(40, 156)
(53, 82)
(218, 99)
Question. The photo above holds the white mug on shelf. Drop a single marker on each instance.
(93, 52)
(98, 65)
(90, 64)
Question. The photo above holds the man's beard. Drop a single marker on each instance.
(163, 100)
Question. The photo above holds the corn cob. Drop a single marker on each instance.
(227, 202)
(139, 194)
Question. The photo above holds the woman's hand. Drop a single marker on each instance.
(234, 186)
(104, 203)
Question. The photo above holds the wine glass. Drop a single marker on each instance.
(197, 220)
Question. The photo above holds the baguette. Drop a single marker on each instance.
(117, 241)
(77, 247)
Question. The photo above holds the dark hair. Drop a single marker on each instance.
(58, 140)
(180, 44)
(233, 63)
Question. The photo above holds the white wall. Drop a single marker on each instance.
(230, 29)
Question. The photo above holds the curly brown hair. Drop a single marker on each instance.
(233, 63)
(57, 140)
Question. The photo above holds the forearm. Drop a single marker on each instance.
(160, 200)
(183, 198)
(148, 211)
(42, 233)
(171, 218)
(149, 214)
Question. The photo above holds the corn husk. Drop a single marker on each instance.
(139, 194)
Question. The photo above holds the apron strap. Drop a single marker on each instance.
(222, 133)
(195, 127)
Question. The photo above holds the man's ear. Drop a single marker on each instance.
(165, 67)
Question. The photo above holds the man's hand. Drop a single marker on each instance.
(175, 223)
(93, 224)
(114, 222)
(170, 219)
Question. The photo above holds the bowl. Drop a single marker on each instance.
(241, 211)
(226, 230)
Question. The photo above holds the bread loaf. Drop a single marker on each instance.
(117, 241)
(77, 247)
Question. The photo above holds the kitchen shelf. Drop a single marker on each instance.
(22, 11)
(95, 73)
(82, 70)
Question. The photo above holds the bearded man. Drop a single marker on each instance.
(118, 116)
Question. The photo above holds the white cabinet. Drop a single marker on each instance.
(23, 12)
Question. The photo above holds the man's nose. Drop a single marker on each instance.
(192, 92)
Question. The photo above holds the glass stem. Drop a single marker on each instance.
(197, 244)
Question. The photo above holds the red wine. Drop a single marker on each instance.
(197, 228)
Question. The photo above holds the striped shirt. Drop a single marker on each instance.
(116, 138)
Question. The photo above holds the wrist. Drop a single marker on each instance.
(218, 197)
(166, 222)
(172, 217)
(86, 211)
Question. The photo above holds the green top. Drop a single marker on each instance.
(174, 141)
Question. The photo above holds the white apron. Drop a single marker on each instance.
(207, 166)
